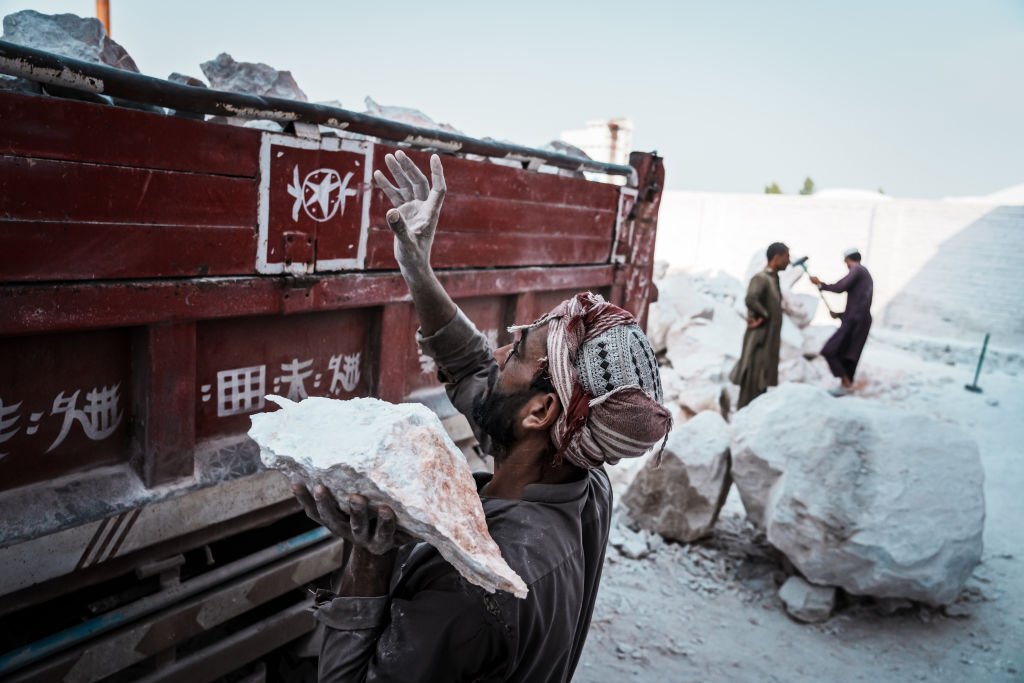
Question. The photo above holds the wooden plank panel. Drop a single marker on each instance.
(498, 217)
(241, 360)
(397, 321)
(491, 180)
(42, 251)
(52, 128)
(41, 190)
(34, 308)
(466, 250)
(163, 434)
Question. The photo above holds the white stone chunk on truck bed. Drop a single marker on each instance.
(395, 455)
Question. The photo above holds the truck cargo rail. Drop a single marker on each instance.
(56, 70)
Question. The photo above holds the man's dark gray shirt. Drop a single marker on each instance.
(859, 288)
(434, 625)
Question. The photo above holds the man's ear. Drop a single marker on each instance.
(541, 412)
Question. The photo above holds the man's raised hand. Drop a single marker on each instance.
(417, 206)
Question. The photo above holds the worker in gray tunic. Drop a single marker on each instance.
(843, 350)
(577, 390)
(758, 366)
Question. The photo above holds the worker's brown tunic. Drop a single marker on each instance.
(435, 626)
(758, 366)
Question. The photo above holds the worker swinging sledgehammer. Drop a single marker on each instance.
(844, 348)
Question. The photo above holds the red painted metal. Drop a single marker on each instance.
(244, 359)
(58, 251)
(162, 442)
(36, 308)
(65, 403)
(40, 128)
(159, 277)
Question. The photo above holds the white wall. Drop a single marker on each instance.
(941, 268)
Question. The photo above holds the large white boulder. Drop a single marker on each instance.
(395, 455)
(706, 345)
(860, 495)
(702, 349)
(680, 498)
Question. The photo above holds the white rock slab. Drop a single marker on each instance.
(698, 396)
(806, 602)
(251, 78)
(681, 498)
(861, 495)
(395, 455)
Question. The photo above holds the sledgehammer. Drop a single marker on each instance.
(802, 262)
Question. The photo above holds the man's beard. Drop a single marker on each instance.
(495, 413)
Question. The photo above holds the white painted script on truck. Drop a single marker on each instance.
(242, 390)
(98, 413)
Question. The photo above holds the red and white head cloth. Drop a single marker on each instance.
(604, 370)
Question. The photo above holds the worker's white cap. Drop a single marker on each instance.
(850, 252)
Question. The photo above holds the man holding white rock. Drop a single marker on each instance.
(578, 389)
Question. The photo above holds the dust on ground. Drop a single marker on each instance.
(708, 611)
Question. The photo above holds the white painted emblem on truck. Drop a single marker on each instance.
(321, 195)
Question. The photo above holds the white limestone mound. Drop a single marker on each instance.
(703, 349)
(395, 455)
(251, 78)
(68, 35)
(801, 308)
(806, 602)
(862, 496)
(680, 301)
(681, 498)
(672, 385)
(804, 371)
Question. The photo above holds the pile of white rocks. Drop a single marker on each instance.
(697, 325)
(63, 34)
(856, 495)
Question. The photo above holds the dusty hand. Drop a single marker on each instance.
(417, 207)
(816, 281)
(378, 536)
(754, 322)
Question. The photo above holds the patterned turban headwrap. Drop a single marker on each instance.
(604, 371)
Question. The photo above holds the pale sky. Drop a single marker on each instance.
(923, 98)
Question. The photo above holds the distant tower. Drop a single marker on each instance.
(607, 140)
